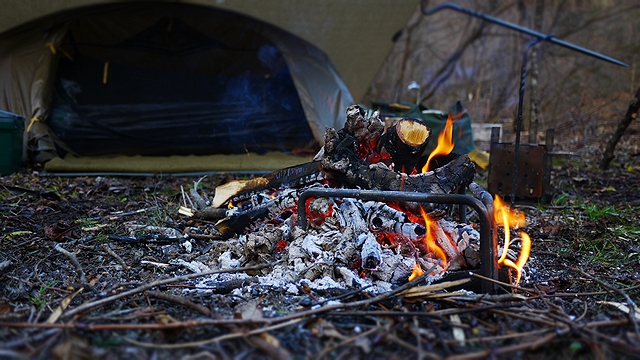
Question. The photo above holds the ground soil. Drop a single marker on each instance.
(136, 301)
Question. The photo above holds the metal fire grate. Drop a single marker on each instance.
(531, 170)
(484, 208)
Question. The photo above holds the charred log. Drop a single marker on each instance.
(405, 142)
(365, 131)
(287, 178)
(259, 215)
(340, 159)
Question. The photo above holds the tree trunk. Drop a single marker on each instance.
(632, 113)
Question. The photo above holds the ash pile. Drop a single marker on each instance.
(343, 242)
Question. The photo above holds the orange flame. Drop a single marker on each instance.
(417, 271)
(509, 218)
(525, 250)
(445, 143)
(230, 205)
(430, 240)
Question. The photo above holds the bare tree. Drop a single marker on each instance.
(455, 57)
(632, 113)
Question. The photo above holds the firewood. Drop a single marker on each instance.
(365, 131)
(258, 215)
(405, 142)
(341, 159)
(287, 178)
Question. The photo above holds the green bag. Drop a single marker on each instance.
(435, 120)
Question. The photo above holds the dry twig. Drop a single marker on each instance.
(179, 300)
(74, 260)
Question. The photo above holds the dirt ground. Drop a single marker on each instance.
(72, 288)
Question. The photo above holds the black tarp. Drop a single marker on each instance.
(178, 92)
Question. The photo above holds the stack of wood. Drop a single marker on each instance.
(363, 154)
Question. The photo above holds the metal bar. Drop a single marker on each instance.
(488, 242)
(462, 209)
(516, 153)
(548, 142)
(540, 36)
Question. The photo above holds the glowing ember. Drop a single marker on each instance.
(417, 271)
(445, 143)
(509, 218)
(430, 239)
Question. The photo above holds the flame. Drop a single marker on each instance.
(515, 217)
(525, 250)
(445, 143)
(509, 218)
(417, 271)
(430, 240)
(230, 205)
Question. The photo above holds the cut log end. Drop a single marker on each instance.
(412, 132)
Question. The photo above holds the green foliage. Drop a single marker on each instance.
(596, 212)
(38, 299)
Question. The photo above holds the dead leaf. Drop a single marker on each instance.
(622, 307)
(60, 229)
(458, 333)
(251, 310)
(55, 315)
(609, 188)
(322, 328)
(5, 307)
(270, 339)
(165, 319)
(72, 348)
(94, 279)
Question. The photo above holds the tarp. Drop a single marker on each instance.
(166, 78)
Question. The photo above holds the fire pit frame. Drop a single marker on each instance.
(484, 208)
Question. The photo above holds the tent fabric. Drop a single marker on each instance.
(356, 34)
(175, 164)
(219, 45)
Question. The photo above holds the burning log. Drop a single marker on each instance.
(348, 237)
(405, 142)
(280, 206)
(340, 158)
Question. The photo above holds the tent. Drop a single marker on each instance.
(157, 78)
(166, 78)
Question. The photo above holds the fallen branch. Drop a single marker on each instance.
(215, 339)
(139, 289)
(632, 113)
(179, 300)
(74, 260)
(631, 304)
(116, 256)
(151, 238)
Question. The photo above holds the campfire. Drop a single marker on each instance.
(354, 217)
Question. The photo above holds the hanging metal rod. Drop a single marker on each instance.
(543, 37)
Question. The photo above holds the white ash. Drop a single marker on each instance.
(137, 228)
(195, 266)
(394, 267)
(381, 217)
(188, 247)
(341, 248)
(371, 253)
